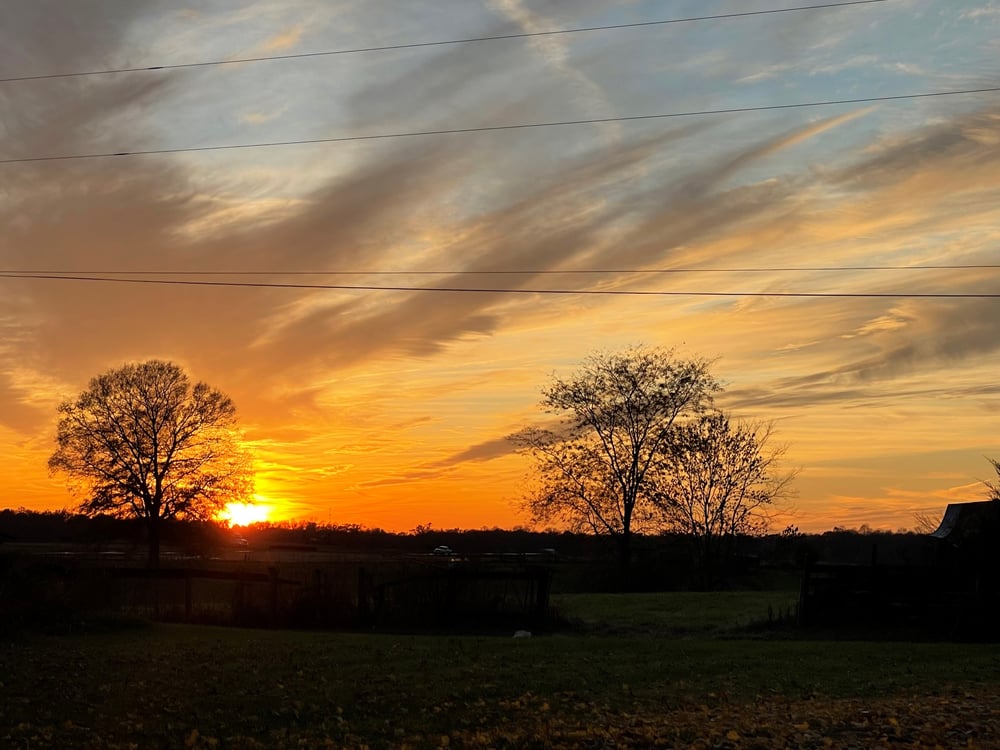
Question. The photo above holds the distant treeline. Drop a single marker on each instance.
(787, 548)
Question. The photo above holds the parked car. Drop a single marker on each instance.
(443, 550)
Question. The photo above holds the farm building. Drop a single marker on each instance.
(951, 591)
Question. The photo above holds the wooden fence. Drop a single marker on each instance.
(396, 592)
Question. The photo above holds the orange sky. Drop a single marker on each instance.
(389, 408)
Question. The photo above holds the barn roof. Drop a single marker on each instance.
(965, 519)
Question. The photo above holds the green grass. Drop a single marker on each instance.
(152, 687)
(678, 613)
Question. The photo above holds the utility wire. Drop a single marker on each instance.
(521, 272)
(486, 290)
(493, 128)
(440, 43)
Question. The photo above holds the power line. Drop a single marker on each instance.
(439, 43)
(518, 272)
(493, 128)
(486, 290)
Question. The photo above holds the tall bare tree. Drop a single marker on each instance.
(715, 483)
(142, 442)
(616, 419)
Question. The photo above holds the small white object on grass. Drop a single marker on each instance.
(522, 634)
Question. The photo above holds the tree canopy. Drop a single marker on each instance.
(615, 420)
(142, 441)
(638, 447)
(715, 483)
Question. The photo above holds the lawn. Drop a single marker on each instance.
(676, 613)
(200, 687)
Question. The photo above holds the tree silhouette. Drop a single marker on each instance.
(994, 486)
(142, 442)
(617, 419)
(715, 483)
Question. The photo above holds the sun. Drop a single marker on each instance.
(244, 514)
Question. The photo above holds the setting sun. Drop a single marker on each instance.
(244, 514)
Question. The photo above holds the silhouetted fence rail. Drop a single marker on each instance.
(237, 596)
(400, 592)
(497, 593)
(921, 600)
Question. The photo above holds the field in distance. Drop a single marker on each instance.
(676, 613)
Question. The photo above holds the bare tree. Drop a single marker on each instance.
(715, 483)
(994, 486)
(142, 442)
(617, 416)
(925, 522)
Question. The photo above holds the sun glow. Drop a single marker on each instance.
(244, 514)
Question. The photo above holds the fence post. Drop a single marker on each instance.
(238, 600)
(364, 610)
(543, 588)
(273, 573)
(803, 612)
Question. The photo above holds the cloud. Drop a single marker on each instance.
(896, 320)
(556, 53)
(260, 118)
(284, 40)
(950, 333)
(820, 388)
(578, 210)
(949, 154)
(17, 411)
(985, 11)
(896, 508)
(410, 477)
(484, 451)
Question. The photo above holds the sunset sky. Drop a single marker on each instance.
(389, 408)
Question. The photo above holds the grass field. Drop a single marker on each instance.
(193, 687)
(676, 613)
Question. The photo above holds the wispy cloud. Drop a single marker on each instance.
(989, 11)
(285, 40)
(260, 118)
(555, 51)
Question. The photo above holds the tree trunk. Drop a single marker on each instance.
(625, 560)
(153, 535)
(708, 562)
(702, 554)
